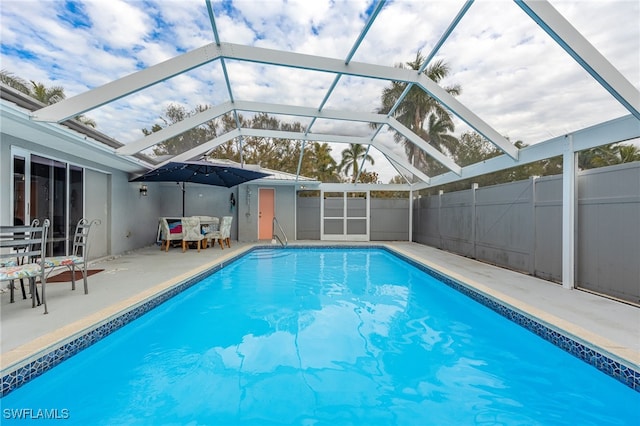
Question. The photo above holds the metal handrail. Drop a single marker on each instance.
(276, 236)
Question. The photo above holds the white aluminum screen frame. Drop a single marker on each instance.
(345, 236)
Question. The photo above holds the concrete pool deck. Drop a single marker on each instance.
(134, 277)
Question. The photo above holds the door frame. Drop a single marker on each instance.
(259, 210)
(21, 152)
(17, 151)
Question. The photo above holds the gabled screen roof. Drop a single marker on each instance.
(528, 71)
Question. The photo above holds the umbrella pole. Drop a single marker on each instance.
(183, 191)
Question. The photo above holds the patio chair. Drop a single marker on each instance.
(28, 242)
(222, 234)
(169, 233)
(225, 228)
(79, 256)
(20, 261)
(191, 232)
(208, 224)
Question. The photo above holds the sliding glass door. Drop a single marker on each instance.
(44, 188)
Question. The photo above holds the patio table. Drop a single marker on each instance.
(204, 221)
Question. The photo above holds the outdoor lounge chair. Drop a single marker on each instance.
(191, 232)
(169, 233)
(79, 256)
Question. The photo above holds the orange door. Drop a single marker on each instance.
(266, 213)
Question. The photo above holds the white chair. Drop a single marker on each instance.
(222, 234)
(225, 229)
(209, 224)
(28, 242)
(166, 235)
(79, 256)
(191, 232)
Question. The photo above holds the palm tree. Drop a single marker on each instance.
(438, 130)
(17, 83)
(90, 122)
(53, 94)
(325, 167)
(629, 153)
(351, 157)
(417, 106)
(608, 155)
(47, 95)
(44, 94)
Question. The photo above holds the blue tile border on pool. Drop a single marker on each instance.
(25, 373)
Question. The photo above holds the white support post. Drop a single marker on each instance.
(532, 246)
(569, 213)
(411, 215)
(440, 218)
(322, 214)
(474, 189)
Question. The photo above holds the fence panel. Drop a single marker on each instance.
(426, 224)
(548, 226)
(456, 222)
(504, 225)
(308, 218)
(519, 226)
(609, 231)
(389, 219)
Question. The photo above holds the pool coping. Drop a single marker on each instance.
(38, 356)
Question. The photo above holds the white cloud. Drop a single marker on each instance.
(117, 22)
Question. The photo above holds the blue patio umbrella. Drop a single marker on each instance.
(205, 172)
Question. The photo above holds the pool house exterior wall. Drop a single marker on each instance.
(128, 219)
(108, 196)
(248, 209)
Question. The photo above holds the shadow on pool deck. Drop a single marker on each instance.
(136, 276)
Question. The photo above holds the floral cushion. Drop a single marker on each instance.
(8, 262)
(16, 272)
(51, 262)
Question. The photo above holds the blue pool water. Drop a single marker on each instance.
(323, 337)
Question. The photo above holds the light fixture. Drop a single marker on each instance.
(143, 190)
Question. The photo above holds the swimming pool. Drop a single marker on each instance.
(324, 336)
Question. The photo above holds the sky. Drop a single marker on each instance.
(512, 74)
